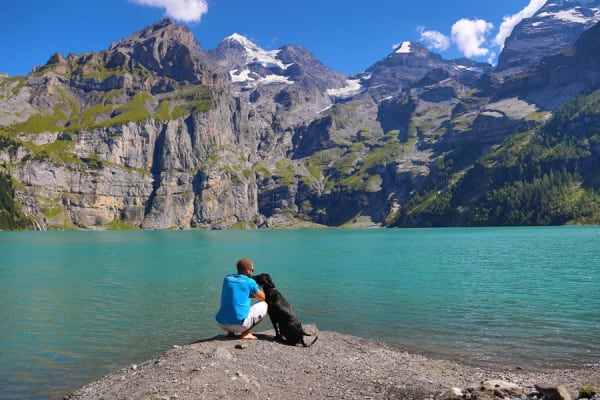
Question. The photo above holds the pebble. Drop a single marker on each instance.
(222, 354)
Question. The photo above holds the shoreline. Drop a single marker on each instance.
(336, 366)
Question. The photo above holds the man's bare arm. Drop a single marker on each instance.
(260, 295)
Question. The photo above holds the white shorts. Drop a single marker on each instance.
(257, 312)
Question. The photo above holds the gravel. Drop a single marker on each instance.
(337, 366)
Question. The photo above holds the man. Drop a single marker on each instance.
(237, 315)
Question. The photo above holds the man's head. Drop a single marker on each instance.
(245, 267)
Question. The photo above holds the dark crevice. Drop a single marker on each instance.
(156, 169)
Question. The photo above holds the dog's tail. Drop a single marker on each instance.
(311, 343)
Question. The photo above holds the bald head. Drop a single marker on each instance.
(245, 266)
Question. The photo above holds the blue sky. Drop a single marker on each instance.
(346, 35)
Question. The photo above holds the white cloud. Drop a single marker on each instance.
(510, 21)
(469, 36)
(181, 10)
(434, 39)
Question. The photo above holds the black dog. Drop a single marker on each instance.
(283, 317)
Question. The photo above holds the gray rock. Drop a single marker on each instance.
(503, 388)
(221, 354)
(553, 392)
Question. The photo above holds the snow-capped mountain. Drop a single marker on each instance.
(288, 80)
(250, 66)
(409, 63)
(557, 24)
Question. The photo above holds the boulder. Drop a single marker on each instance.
(553, 392)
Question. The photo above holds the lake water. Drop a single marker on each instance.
(77, 305)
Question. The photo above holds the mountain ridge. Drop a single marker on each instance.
(158, 133)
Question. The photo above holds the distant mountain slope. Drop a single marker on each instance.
(548, 176)
(555, 25)
(561, 76)
(409, 63)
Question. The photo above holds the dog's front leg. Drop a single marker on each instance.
(277, 330)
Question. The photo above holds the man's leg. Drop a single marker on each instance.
(257, 314)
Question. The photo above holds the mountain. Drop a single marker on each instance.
(555, 25)
(545, 170)
(166, 48)
(250, 66)
(288, 81)
(560, 76)
(410, 63)
(158, 133)
(543, 176)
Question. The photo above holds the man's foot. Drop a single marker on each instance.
(248, 336)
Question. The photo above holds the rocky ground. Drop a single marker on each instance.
(337, 366)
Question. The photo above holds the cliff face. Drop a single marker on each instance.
(155, 174)
(560, 76)
(145, 134)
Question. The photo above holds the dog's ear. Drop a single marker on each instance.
(259, 278)
(269, 281)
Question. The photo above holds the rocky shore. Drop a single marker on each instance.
(337, 366)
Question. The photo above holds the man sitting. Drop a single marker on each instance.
(237, 315)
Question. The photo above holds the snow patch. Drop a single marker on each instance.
(240, 76)
(255, 54)
(573, 15)
(245, 77)
(403, 48)
(275, 79)
(245, 42)
(352, 88)
(468, 68)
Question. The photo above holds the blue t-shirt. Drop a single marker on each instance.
(235, 298)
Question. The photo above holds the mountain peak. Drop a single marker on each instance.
(242, 40)
(165, 47)
(163, 31)
(404, 47)
(244, 51)
(413, 48)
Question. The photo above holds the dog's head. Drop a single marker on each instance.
(264, 280)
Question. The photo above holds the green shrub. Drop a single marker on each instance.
(120, 225)
(587, 392)
(11, 216)
(38, 123)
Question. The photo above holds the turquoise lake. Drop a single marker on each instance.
(75, 306)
